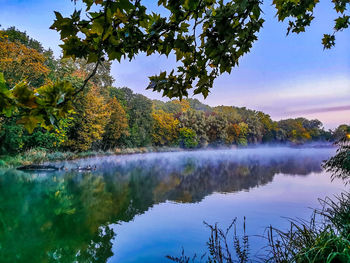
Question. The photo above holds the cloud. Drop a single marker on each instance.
(320, 110)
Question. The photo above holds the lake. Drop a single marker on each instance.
(140, 208)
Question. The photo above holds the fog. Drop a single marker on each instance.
(262, 155)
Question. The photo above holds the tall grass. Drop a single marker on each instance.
(324, 238)
(220, 249)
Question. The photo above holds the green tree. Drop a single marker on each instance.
(270, 128)
(294, 130)
(140, 122)
(11, 136)
(207, 37)
(339, 164)
(187, 138)
(255, 130)
(175, 107)
(216, 129)
(15, 35)
(139, 111)
(197, 122)
(230, 113)
(340, 132)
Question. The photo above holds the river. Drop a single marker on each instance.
(142, 207)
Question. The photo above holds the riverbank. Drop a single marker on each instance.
(38, 156)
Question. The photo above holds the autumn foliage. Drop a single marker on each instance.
(18, 62)
(39, 108)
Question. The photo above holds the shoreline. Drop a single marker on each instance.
(38, 156)
(41, 156)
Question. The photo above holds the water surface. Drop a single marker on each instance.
(140, 208)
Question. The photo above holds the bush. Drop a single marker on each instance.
(187, 138)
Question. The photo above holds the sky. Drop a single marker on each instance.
(284, 76)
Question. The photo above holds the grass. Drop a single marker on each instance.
(37, 156)
(325, 238)
(220, 249)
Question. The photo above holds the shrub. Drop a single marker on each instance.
(187, 138)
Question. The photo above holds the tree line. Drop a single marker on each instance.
(103, 117)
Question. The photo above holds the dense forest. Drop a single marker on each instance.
(106, 117)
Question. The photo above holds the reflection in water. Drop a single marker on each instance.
(66, 217)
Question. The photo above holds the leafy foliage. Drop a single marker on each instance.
(60, 116)
(165, 128)
(18, 63)
(90, 120)
(300, 15)
(339, 165)
(40, 106)
(187, 138)
(207, 37)
(116, 126)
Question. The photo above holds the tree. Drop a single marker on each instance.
(230, 113)
(90, 118)
(300, 15)
(339, 165)
(16, 36)
(216, 128)
(139, 112)
(195, 104)
(18, 63)
(177, 106)
(140, 120)
(116, 126)
(11, 137)
(236, 133)
(294, 130)
(165, 128)
(207, 37)
(187, 138)
(270, 127)
(313, 127)
(197, 122)
(340, 132)
(255, 130)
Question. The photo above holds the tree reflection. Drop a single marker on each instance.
(67, 217)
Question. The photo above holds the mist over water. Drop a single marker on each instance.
(142, 207)
(264, 155)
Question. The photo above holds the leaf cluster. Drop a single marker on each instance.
(207, 37)
(39, 106)
(300, 15)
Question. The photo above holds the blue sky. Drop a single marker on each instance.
(285, 76)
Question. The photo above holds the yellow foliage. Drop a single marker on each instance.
(19, 62)
(165, 128)
(184, 105)
(117, 125)
(92, 115)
